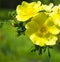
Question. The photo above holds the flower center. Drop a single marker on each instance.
(42, 31)
(59, 11)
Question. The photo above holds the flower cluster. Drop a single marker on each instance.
(41, 22)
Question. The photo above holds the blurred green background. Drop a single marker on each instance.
(18, 49)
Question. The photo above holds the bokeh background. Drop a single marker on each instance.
(18, 49)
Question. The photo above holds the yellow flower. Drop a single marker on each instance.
(42, 41)
(47, 7)
(27, 10)
(38, 30)
(56, 15)
(52, 28)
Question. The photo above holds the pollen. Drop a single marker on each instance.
(42, 31)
